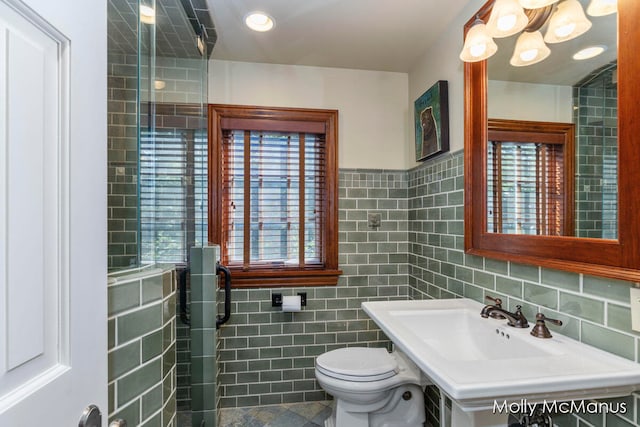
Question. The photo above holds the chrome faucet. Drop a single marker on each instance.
(517, 319)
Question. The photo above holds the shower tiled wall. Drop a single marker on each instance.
(267, 356)
(142, 350)
(122, 169)
(594, 310)
(178, 105)
(183, 80)
(596, 112)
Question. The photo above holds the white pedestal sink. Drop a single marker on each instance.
(479, 362)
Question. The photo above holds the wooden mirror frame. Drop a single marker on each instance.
(619, 259)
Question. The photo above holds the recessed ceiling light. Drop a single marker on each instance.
(259, 21)
(589, 52)
(147, 14)
(602, 7)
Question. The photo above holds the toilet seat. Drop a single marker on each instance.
(358, 364)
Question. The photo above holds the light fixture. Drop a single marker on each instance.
(259, 21)
(478, 44)
(589, 52)
(535, 4)
(530, 49)
(602, 7)
(567, 22)
(159, 84)
(147, 14)
(507, 18)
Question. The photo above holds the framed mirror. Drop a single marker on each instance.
(604, 235)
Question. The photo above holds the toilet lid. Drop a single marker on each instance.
(358, 364)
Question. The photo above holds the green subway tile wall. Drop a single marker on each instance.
(596, 113)
(142, 350)
(594, 310)
(122, 152)
(267, 356)
(183, 357)
(204, 352)
(177, 111)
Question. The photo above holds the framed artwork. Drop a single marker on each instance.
(431, 112)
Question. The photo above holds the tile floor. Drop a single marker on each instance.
(309, 414)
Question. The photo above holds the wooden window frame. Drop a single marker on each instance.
(276, 118)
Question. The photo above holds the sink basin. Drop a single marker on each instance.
(477, 361)
(479, 342)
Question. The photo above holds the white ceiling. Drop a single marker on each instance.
(383, 35)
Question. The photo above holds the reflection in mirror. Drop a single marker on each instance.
(561, 89)
(617, 257)
(529, 177)
(595, 111)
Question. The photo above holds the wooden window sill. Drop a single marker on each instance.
(270, 278)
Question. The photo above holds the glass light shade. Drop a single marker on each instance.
(567, 22)
(530, 48)
(507, 18)
(602, 7)
(535, 4)
(478, 45)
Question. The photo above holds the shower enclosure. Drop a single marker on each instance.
(157, 199)
(157, 133)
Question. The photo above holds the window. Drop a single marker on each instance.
(530, 178)
(273, 205)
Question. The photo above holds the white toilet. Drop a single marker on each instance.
(371, 388)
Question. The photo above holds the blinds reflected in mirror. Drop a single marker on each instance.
(525, 188)
(530, 178)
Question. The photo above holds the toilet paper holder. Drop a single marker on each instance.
(276, 299)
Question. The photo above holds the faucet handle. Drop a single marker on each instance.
(540, 329)
(496, 301)
(542, 317)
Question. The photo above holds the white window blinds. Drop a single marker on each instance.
(273, 198)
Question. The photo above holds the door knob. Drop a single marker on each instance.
(91, 417)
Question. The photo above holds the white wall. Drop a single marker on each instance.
(547, 103)
(372, 104)
(441, 62)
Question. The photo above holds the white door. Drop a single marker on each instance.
(53, 309)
